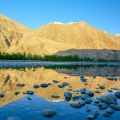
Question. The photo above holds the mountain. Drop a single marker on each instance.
(62, 39)
(10, 33)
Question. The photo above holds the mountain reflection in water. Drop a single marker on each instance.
(30, 76)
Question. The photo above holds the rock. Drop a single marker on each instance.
(2, 95)
(55, 81)
(65, 84)
(117, 94)
(97, 101)
(115, 107)
(76, 91)
(55, 96)
(81, 102)
(115, 88)
(82, 91)
(109, 90)
(87, 109)
(20, 85)
(36, 86)
(115, 78)
(76, 97)
(67, 95)
(48, 112)
(91, 117)
(84, 96)
(109, 99)
(69, 89)
(44, 85)
(102, 87)
(90, 93)
(88, 100)
(110, 110)
(95, 113)
(49, 83)
(16, 93)
(75, 105)
(60, 86)
(106, 114)
(102, 106)
(110, 78)
(29, 98)
(83, 79)
(29, 92)
(97, 91)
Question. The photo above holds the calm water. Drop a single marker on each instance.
(18, 107)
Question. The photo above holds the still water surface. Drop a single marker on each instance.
(18, 107)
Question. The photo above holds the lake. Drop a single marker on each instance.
(51, 84)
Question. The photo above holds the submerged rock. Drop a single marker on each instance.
(106, 114)
(84, 96)
(29, 98)
(115, 107)
(110, 110)
(60, 86)
(88, 100)
(49, 112)
(117, 94)
(81, 102)
(91, 117)
(109, 99)
(75, 105)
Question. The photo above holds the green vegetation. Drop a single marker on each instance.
(24, 56)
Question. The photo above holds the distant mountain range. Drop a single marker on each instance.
(57, 38)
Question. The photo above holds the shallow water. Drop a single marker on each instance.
(18, 107)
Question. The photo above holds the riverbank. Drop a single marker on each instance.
(29, 63)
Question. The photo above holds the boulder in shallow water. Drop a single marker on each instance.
(49, 112)
(84, 96)
(109, 99)
(117, 94)
(81, 102)
(115, 107)
(90, 93)
(68, 95)
(75, 105)
(106, 114)
(82, 91)
(110, 110)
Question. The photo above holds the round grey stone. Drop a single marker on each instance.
(49, 112)
(110, 110)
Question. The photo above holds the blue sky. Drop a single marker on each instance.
(101, 14)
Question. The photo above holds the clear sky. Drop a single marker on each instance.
(102, 14)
